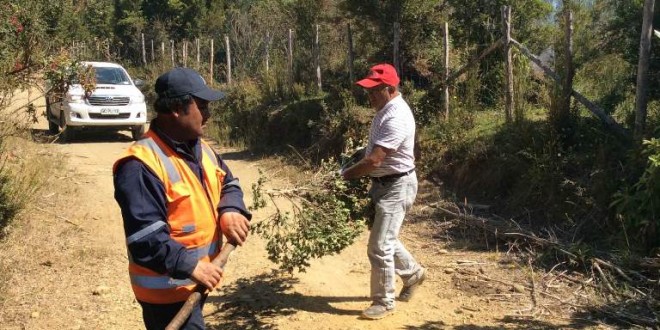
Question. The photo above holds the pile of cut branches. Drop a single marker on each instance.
(322, 216)
(630, 284)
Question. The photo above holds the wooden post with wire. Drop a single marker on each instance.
(506, 29)
(172, 52)
(197, 44)
(267, 45)
(228, 59)
(290, 57)
(144, 50)
(350, 53)
(317, 50)
(445, 87)
(211, 64)
(567, 88)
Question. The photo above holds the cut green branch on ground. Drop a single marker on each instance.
(321, 217)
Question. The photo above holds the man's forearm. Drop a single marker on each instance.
(362, 168)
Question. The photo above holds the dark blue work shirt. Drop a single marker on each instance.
(141, 197)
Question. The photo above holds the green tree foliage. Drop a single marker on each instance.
(474, 25)
(183, 16)
(421, 23)
(128, 22)
(26, 41)
(619, 34)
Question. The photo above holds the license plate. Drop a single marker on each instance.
(109, 111)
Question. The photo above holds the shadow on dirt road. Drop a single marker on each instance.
(90, 136)
(252, 303)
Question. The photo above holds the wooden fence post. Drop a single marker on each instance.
(184, 53)
(144, 50)
(162, 51)
(267, 51)
(211, 64)
(641, 97)
(567, 88)
(446, 71)
(290, 57)
(153, 57)
(350, 53)
(172, 52)
(228, 60)
(197, 44)
(395, 51)
(317, 49)
(506, 18)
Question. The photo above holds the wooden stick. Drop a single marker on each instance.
(58, 216)
(615, 268)
(602, 275)
(220, 260)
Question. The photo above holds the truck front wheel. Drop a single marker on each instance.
(53, 128)
(137, 132)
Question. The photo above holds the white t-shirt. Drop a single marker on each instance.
(393, 128)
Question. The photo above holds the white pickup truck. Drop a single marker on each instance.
(115, 104)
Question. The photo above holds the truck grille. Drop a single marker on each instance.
(108, 100)
(100, 116)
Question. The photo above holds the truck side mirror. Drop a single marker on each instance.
(139, 83)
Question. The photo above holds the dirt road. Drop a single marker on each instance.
(67, 263)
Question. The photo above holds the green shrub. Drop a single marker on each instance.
(8, 206)
(638, 205)
(526, 170)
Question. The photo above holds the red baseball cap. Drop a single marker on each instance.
(380, 74)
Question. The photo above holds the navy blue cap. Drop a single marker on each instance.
(184, 81)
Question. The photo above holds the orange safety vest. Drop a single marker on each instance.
(192, 214)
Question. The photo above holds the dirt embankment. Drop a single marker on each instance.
(65, 267)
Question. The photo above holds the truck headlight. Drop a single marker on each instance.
(137, 99)
(75, 99)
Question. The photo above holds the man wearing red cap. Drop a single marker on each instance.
(390, 162)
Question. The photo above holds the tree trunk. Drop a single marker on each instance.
(642, 70)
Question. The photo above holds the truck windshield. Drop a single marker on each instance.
(111, 76)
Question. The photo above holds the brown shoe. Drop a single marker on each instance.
(412, 284)
(377, 312)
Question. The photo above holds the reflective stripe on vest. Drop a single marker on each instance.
(166, 282)
(192, 214)
(169, 167)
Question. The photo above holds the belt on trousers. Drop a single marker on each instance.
(391, 177)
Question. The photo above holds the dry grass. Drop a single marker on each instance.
(32, 171)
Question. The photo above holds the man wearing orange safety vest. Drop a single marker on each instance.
(177, 198)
